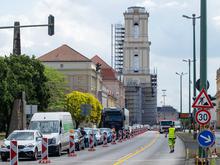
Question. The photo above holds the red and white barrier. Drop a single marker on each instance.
(91, 142)
(71, 146)
(105, 139)
(44, 152)
(120, 136)
(13, 152)
(113, 138)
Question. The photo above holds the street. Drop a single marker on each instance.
(148, 148)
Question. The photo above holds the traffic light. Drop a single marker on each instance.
(50, 25)
(98, 66)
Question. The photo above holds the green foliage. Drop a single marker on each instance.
(73, 103)
(17, 74)
(57, 85)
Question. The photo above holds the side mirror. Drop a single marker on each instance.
(38, 139)
(61, 131)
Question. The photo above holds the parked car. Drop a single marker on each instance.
(98, 135)
(109, 133)
(29, 144)
(79, 140)
(55, 126)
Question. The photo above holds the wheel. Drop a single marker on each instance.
(4, 158)
(35, 154)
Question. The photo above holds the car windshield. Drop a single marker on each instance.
(45, 127)
(21, 136)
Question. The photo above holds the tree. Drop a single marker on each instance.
(57, 86)
(22, 73)
(73, 103)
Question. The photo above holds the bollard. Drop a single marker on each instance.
(105, 140)
(71, 146)
(120, 136)
(13, 152)
(91, 142)
(44, 152)
(113, 138)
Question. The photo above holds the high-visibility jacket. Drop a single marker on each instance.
(171, 132)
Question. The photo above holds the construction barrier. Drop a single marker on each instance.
(113, 138)
(105, 139)
(91, 142)
(120, 136)
(71, 146)
(13, 152)
(44, 152)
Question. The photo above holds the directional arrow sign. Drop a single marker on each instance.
(206, 138)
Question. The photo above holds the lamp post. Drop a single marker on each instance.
(193, 18)
(189, 63)
(181, 79)
(164, 95)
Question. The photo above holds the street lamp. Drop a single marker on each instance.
(193, 18)
(164, 95)
(181, 79)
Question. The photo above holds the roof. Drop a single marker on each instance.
(107, 72)
(63, 53)
(96, 59)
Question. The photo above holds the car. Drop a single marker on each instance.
(109, 133)
(55, 126)
(98, 135)
(29, 144)
(79, 140)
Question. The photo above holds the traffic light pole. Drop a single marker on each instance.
(203, 57)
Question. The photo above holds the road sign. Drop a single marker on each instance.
(185, 115)
(203, 117)
(85, 109)
(197, 85)
(202, 100)
(206, 138)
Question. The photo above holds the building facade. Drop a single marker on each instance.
(80, 71)
(218, 98)
(140, 84)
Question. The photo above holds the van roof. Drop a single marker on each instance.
(49, 116)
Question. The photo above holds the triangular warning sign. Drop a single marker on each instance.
(202, 100)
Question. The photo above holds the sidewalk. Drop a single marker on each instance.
(191, 147)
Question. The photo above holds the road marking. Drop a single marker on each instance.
(141, 149)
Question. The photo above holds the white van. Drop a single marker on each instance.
(55, 126)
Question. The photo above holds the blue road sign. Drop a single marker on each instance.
(206, 138)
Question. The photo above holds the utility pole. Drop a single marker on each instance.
(203, 57)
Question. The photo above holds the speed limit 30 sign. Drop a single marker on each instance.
(203, 116)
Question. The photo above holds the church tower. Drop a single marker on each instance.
(140, 83)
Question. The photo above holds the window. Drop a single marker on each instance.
(61, 65)
(136, 63)
(136, 30)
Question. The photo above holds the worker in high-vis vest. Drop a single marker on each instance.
(171, 138)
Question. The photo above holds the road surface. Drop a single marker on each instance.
(148, 148)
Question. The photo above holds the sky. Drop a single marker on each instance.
(85, 25)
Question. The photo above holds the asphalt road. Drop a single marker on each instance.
(148, 148)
